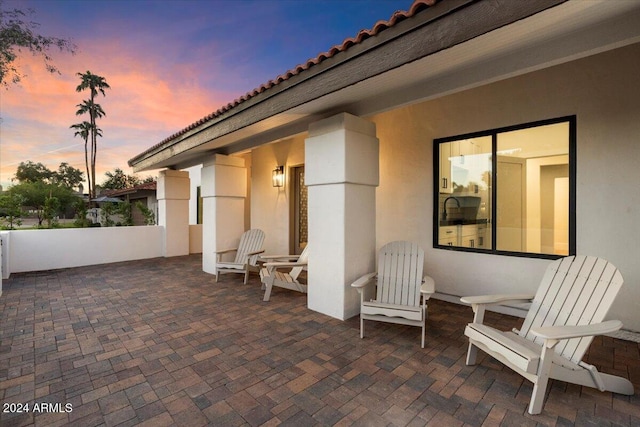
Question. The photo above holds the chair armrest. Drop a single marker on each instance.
(478, 303)
(363, 281)
(428, 286)
(498, 299)
(283, 257)
(566, 332)
(222, 252)
(284, 264)
(250, 254)
(226, 251)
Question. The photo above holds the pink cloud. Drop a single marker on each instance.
(144, 105)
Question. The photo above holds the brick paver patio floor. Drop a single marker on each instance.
(157, 342)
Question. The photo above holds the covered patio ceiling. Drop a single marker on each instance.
(452, 46)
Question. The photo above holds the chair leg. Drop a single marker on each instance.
(537, 397)
(540, 385)
(472, 354)
(217, 275)
(246, 275)
(267, 291)
(424, 323)
(361, 327)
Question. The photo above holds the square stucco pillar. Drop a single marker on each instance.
(173, 211)
(341, 174)
(223, 190)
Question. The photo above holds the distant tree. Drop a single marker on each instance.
(118, 180)
(50, 211)
(35, 195)
(124, 209)
(68, 176)
(95, 84)
(81, 214)
(33, 172)
(84, 130)
(149, 216)
(11, 210)
(17, 32)
(107, 212)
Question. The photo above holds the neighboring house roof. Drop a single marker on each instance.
(147, 186)
(433, 49)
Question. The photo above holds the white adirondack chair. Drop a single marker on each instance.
(565, 314)
(247, 252)
(399, 287)
(270, 276)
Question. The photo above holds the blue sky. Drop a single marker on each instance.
(169, 63)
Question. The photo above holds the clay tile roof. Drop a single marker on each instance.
(378, 27)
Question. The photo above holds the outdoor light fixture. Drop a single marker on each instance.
(277, 178)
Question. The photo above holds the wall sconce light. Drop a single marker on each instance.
(277, 178)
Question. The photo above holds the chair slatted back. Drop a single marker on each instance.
(250, 241)
(574, 291)
(400, 267)
(304, 257)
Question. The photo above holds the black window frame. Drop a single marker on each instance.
(572, 121)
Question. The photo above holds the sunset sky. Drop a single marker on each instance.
(169, 63)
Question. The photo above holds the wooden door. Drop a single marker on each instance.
(299, 210)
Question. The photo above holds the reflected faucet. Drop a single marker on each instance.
(444, 205)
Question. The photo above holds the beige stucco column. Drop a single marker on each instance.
(341, 173)
(223, 190)
(173, 211)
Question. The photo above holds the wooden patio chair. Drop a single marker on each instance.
(271, 276)
(247, 252)
(399, 288)
(565, 315)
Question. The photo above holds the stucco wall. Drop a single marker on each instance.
(270, 205)
(35, 250)
(603, 92)
(195, 238)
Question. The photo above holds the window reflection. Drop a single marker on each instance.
(525, 206)
(465, 194)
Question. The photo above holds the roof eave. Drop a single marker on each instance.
(439, 27)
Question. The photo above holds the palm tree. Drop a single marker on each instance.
(96, 84)
(95, 111)
(83, 130)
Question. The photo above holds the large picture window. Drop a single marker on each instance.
(508, 191)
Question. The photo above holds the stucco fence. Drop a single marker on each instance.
(36, 250)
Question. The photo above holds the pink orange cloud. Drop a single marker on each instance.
(144, 105)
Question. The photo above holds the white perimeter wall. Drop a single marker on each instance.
(35, 250)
